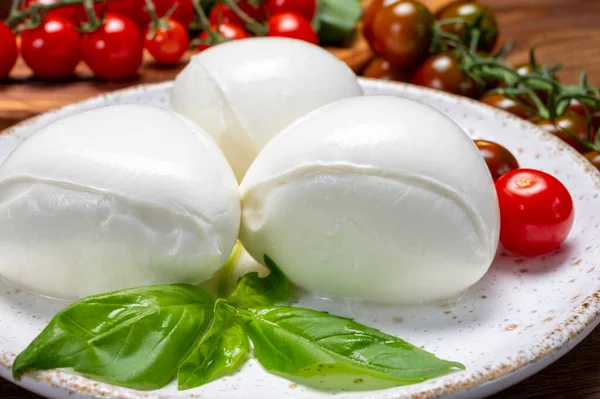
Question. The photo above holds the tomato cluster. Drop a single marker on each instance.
(413, 45)
(283, 18)
(112, 43)
(401, 33)
(536, 210)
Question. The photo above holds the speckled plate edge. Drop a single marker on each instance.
(584, 317)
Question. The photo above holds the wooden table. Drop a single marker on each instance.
(567, 31)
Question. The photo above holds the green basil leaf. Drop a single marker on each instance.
(337, 20)
(253, 291)
(135, 338)
(329, 352)
(222, 349)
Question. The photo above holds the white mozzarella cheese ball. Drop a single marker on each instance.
(116, 197)
(375, 198)
(244, 92)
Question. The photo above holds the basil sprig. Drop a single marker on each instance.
(143, 337)
(134, 338)
(329, 352)
(222, 349)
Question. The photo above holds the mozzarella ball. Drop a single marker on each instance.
(244, 92)
(374, 198)
(116, 197)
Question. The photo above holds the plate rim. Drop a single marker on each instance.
(584, 317)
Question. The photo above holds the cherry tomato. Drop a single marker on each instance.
(132, 9)
(230, 32)
(369, 16)
(506, 104)
(526, 69)
(402, 32)
(536, 212)
(70, 13)
(577, 107)
(470, 12)
(8, 51)
(306, 8)
(53, 49)
(443, 72)
(289, 24)
(221, 13)
(258, 13)
(167, 44)
(184, 13)
(380, 68)
(576, 124)
(115, 50)
(498, 159)
(594, 158)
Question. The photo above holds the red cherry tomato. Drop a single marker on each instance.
(70, 13)
(402, 32)
(506, 104)
(132, 9)
(306, 8)
(498, 159)
(221, 13)
(443, 72)
(380, 68)
(115, 50)
(8, 51)
(230, 32)
(536, 212)
(167, 44)
(295, 26)
(258, 13)
(184, 13)
(576, 124)
(53, 49)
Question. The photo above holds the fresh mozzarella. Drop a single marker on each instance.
(376, 198)
(116, 197)
(244, 92)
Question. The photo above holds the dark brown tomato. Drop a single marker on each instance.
(470, 12)
(576, 124)
(594, 158)
(402, 32)
(506, 104)
(525, 69)
(443, 72)
(380, 68)
(369, 16)
(577, 107)
(498, 159)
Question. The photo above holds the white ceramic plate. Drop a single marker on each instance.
(523, 315)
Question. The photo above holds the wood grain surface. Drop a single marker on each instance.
(566, 31)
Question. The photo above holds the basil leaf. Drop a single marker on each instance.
(135, 338)
(222, 349)
(337, 20)
(329, 352)
(253, 291)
